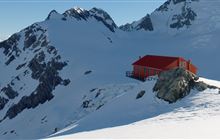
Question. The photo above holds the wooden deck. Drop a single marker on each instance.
(131, 75)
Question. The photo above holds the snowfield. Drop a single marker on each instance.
(193, 129)
(195, 116)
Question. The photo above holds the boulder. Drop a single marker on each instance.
(140, 94)
(174, 84)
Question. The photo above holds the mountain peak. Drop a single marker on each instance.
(52, 14)
(180, 13)
(77, 13)
(78, 9)
(104, 17)
(144, 23)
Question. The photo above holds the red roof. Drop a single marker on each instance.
(154, 61)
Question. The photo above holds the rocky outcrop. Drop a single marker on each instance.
(164, 7)
(31, 36)
(51, 14)
(10, 49)
(77, 13)
(183, 19)
(98, 14)
(145, 23)
(48, 76)
(126, 27)
(140, 94)
(9, 92)
(186, 14)
(104, 17)
(3, 102)
(37, 67)
(175, 84)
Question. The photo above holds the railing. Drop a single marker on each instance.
(131, 75)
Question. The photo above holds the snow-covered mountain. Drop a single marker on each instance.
(70, 68)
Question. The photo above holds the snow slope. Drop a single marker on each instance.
(194, 129)
(70, 69)
(148, 117)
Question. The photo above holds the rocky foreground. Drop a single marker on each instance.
(175, 84)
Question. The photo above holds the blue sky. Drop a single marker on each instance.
(18, 14)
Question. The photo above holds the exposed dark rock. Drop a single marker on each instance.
(85, 103)
(183, 19)
(31, 36)
(18, 78)
(186, 16)
(83, 14)
(39, 96)
(178, 1)
(66, 82)
(29, 41)
(36, 68)
(51, 50)
(200, 86)
(174, 84)
(64, 19)
(20, 66)
(55, 130)
(37, 50)
(145, 24)
(51, 14)
(10, 48)
(43, 118)
(140, 94)
(11, 94)
(98, 14)
(44, 42)
(97, 94)
(110, 40)
(10, 60)
(104, 17)
(93, 89)
(99, 106)
(126, 27)
(10, 45)
(48, 77)
(3, 102)
(164, 7)
(87, 72)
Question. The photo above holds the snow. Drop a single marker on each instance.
(149, 117)
(211, 82)
(79, 10)
(193, 129)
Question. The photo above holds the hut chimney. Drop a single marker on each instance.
(189, 61)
